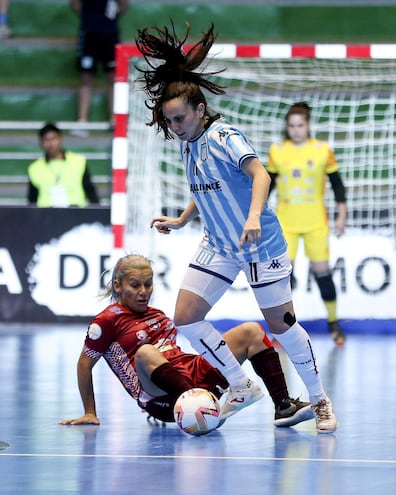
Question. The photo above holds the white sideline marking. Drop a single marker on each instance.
(193, 457)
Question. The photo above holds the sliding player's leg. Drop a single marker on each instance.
(249, 341)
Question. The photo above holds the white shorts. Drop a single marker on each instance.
(209, 275)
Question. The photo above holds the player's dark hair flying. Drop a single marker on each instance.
(177, 76)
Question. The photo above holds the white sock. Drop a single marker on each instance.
(210, 344)
(297, 344)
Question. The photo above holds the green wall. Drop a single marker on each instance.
(250, 23)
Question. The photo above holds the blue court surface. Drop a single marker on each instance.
(247, 455)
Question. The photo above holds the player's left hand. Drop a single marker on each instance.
(251, 232)
(339, 227)
(165, 224)
(87, 419)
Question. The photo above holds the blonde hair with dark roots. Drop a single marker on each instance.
(176, 76)
(132, 261)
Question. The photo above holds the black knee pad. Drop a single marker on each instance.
(289, 319)
(326, 286)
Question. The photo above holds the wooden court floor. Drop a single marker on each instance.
(247, 456)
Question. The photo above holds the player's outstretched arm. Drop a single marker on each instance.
(165, 224)
(85, 385)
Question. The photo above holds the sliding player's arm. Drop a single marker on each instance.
(85, 385)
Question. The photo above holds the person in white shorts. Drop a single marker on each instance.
(229, 187)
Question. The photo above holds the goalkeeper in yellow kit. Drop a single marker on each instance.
(298, 167)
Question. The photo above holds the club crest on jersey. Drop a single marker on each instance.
(204, 152)
(154, 324)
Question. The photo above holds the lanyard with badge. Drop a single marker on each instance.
(111, 10)
(58, 192)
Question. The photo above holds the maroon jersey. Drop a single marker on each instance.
(117, 333)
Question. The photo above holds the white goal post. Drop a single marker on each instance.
(349, 88)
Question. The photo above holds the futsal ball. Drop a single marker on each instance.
(197, 411)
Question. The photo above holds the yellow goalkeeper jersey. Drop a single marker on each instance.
(301, 183)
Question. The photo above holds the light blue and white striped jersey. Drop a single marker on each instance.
(222, 192)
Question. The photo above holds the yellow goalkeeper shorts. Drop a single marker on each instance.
(316, 244)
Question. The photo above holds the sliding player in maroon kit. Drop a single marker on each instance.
(138, 342)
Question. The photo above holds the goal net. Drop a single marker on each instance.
(353, 106)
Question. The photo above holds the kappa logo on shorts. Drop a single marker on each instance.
(275, 264)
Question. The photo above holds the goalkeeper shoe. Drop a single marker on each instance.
(291, 412)
(326, 421)
(238, 398)
(337, 333)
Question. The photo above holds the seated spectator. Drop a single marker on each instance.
(5, 31)
(59, 178)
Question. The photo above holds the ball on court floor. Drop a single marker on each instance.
(197, 411)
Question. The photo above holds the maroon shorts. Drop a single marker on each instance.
(199, 371)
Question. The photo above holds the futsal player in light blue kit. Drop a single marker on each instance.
(229, 187)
